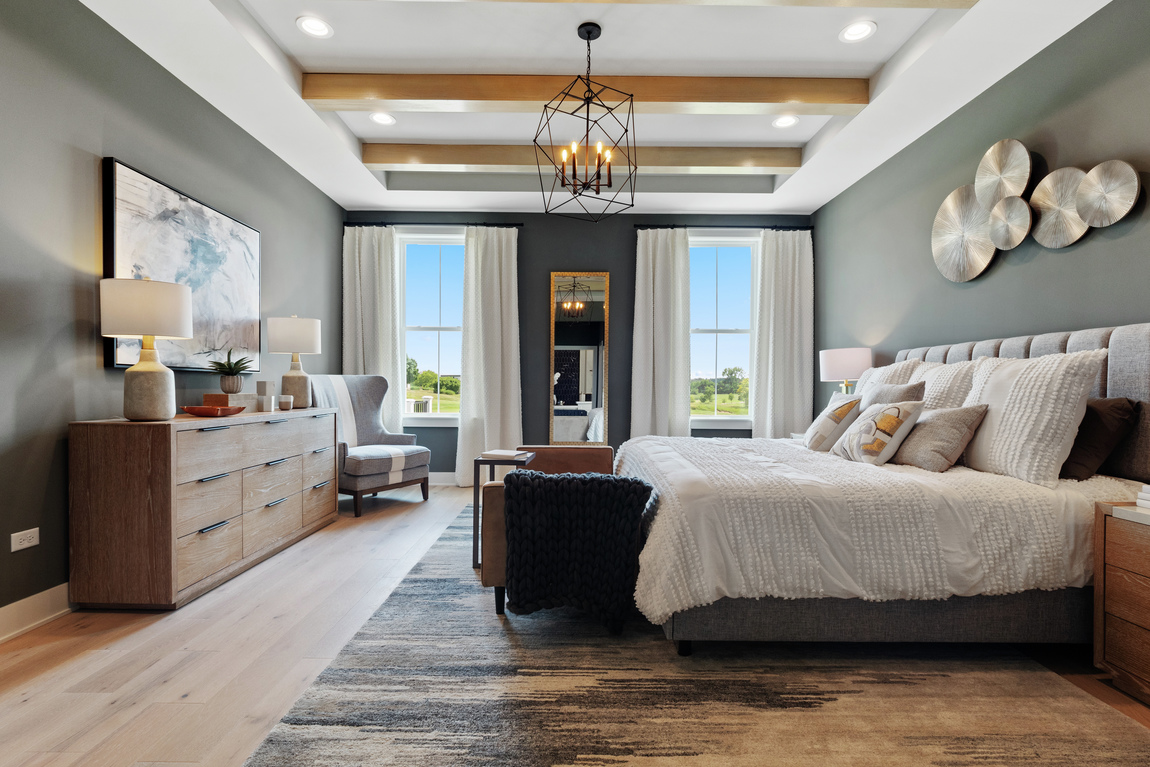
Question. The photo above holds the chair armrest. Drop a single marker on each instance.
(574, 459)
(493, 536)
(340, 457)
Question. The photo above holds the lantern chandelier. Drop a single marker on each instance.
(575, 299)
(592, 176)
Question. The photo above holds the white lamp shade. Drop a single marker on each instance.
(293, 335)
(844, 364)
(138, 308)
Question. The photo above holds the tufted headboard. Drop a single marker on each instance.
(1126, 373)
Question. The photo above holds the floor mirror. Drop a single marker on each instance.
(580, 308)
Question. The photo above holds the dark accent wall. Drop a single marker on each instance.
(73, 91)
(1083, 100)
(548, 243)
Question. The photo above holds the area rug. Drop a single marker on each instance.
(436, 678)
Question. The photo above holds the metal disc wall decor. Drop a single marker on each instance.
(960, 238)
(1054, 201)
(1107, 193)
(1003, 172)
(1010, 220)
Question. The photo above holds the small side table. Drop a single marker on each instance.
(491, 463)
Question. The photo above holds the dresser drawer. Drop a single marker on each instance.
(1128, 596)
(1128, 545)
(318, 466)
(272, 481)
(201, 554)
(1128, 646)
(208, 451)
(207, 501)
(267, 524)
(318, 501)
(271, 440)
(318, 431)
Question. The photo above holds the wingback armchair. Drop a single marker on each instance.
(370, 459)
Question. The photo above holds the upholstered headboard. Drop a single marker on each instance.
(1126, 373)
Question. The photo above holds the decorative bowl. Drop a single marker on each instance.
(211, 411)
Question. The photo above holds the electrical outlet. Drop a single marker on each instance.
(26, 539)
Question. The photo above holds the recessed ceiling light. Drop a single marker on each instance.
(858, 31)
(785, 121)
(383, 118)
(310, 25)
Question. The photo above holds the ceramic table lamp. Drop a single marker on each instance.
(844, 365)
(295, 336)
(150, 311)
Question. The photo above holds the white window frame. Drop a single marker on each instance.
(426, 235)
(723, 238)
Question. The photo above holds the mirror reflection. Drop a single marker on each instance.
(579, 330)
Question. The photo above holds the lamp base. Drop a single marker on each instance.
(845, 387)
(295, 382)
(149, 389)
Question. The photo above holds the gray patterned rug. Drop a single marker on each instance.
(436, 678)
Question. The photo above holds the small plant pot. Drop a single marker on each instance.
(231, 384)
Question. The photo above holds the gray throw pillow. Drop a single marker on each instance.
(939, 437)
(886, 394)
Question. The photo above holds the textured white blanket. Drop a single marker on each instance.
(759, 517)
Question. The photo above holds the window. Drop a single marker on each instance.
(721, 325)
(433, 297)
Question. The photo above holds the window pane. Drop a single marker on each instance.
(734, 288)
(732, 395)
(702, 374)
(452, 306)
(422, 346)
(450, 366)
(703, 287)
(422, 285)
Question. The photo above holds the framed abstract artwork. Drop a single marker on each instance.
(154, 231)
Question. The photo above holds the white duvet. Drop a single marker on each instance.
(759, 517)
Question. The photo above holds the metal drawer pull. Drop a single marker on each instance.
(323, 415)
(218, 476)
(278, 420)
(215, 428)
(322, 450)
(321, 484)
(275, 463)
(216, 526)
(275, 503)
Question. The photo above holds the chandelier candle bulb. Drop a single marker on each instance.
(608, 158)
(563, 170)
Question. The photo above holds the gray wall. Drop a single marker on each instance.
(551, 243)
(73, 91)
(1084, 100)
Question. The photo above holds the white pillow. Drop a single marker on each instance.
(876, 435)
(947, 386)
(898, 373)
(920, 372)
(1034, 409)
(840, 413)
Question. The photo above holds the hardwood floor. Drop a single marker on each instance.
(204, 685)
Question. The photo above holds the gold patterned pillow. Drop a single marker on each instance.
(840, 413)
(875, 435)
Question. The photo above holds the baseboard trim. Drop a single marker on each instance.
(34, 611)
(442, 477)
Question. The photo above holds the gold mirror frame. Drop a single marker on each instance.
(563, 276)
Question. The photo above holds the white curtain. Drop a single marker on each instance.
(491, 401)
(373, 314)
(782, 334)
(661, 356)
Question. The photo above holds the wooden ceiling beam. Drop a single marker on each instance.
(944, 4)
(498, 158)
(528, 93)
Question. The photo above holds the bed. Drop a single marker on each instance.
(892, 553)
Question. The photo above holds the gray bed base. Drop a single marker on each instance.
(1040, 617)
(1032, 616)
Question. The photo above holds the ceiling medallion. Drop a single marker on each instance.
(585, 147)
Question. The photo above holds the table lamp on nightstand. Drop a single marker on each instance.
(844, 365)
(150, 311)
(295, 336)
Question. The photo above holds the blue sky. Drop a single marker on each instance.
(432, 301)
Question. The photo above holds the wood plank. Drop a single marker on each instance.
(208, 451)
(268, 524)
(200, 504)
(1102, 517)
(528, 93)
(272, 439)
(1127, 544)
(950, 4)
(318, 466)
(271, 482)
(496, 158)
(1128, 596)
(318, 431)
(202, 554)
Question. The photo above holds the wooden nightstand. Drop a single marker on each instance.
(1122, 600)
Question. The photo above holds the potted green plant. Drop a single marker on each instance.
(230, 380)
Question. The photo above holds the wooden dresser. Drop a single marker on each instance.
(162, 512)
(1122, 600)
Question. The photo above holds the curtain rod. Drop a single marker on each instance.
(430, 223)
(720, 226)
